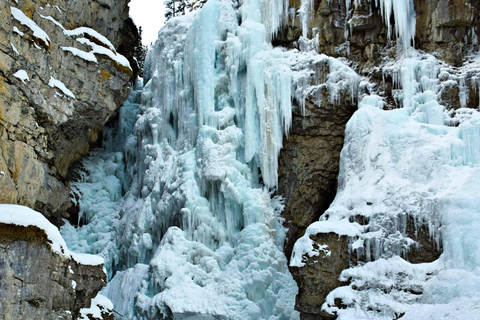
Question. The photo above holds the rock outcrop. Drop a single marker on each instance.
(309, 164)
(61, 79)
(37, 283)
(446, 27)
(320, 275)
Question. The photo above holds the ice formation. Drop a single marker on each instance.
(178, 201)
(175, 203)
(418, 161)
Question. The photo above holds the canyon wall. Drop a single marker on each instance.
(64, 71)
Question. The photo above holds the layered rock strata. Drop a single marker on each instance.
(61, 79)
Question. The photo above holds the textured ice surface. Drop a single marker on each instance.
(175, 203)
(417, 161)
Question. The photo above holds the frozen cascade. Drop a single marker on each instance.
(175, 202)
(403, 13)
(416, 161)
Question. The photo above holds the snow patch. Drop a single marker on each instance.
(54, 83)
(87, 56)
(22, 75)
(14, 48)
(100, 304)
(23, 19)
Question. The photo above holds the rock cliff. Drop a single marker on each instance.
(309, 161)
(39, 277)
(64, 71)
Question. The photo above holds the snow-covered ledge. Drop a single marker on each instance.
(24, 216)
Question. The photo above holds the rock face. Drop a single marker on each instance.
(309, 164)
(309, 161)
(36, 283)
(320, 275)
(446, 27)
(57, 89)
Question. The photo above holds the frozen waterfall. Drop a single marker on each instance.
(175, 203)
(418, 161)
(179, 202)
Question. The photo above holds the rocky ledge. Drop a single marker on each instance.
(39, 277)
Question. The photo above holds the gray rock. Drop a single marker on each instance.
(36, 283)
(43, 131)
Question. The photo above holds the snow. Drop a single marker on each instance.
(50, 18)
(23, 216)
(304, 246)
(14, 48)
(22, 75)
(17, 31)
(87, 56)
(37, 31)
(106, 49)
(97, 49)
(81, 31)
(99, 304)
(54, 83)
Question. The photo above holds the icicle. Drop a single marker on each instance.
(305, 11)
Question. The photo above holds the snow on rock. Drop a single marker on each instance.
(112, 54)
(14, 48)
(22, 75)
(37, 31)
(17, 31)
(81, 31)
(88, 56)
(24, 216)
(99, 305)
(106, 49)
(305, 246)
(50, 18)
(54, 83)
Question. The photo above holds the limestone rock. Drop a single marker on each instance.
(37, 283)
(320, 276)
(55, 94)
(446, 27)
(309, 164)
